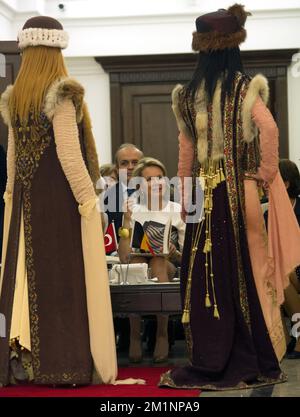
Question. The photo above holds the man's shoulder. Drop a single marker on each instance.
(112, 191)
(113, 201)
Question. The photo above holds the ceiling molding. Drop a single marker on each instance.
(169, 62)
(165, 18)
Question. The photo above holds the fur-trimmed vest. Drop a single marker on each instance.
(66, 88)
(213, 126)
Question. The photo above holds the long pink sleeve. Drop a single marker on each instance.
(283, 235)
(185, 168)
(186, 156)
(263, 119)
(283, 229)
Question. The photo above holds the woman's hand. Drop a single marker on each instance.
(174, 254)
(172, 250)
(261, 182)
(256, 177)
(183, 215)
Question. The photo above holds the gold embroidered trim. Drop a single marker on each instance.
(31, 142)
(233, 193)
(166, 380)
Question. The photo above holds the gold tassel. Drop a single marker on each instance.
(206, 203)
(210, 206)
(218, 177)
(207, 301)
(207, 246)
(185, 317)
(216, 312)
(222, 176)
(214, 182)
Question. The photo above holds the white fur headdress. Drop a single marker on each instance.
(43, 30)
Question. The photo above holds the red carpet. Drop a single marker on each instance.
(151, 375)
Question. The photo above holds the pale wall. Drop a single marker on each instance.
(294, 111)
(96, 84)
(136, 27)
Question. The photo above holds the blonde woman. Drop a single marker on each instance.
(54, 292)
(155, 189)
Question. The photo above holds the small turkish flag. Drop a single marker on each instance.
(110, 239)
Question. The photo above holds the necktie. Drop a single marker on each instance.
(130, 191)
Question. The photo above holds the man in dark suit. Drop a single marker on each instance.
(126, 158)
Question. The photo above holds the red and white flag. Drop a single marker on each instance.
(110, 239)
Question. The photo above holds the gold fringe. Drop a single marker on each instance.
(187, 298)
(212, 174)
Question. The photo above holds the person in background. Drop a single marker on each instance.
(108, 178)
(126, 159)
(3, 179)
(155, 189)
(291, 177)
(110, 174)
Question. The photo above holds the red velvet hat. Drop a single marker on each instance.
(220, 30)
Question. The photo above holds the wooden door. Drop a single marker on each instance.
(9, 50)
(148, 121)
(141, 88)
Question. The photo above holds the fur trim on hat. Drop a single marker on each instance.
(257, 87)
(215, 40)
(239, 12)
(47, 37)
(66, 88)
(4, 105)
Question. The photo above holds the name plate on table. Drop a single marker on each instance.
(131, 274)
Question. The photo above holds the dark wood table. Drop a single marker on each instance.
(146, 298)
